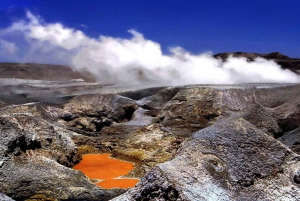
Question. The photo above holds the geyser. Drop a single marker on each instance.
(132, 61)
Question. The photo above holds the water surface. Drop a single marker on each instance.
(108, 170)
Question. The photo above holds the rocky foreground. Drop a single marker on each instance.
(204, 142)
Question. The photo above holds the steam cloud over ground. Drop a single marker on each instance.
(129, 61)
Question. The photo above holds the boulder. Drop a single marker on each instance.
(230, 160)
(89, 114)
(34, 160)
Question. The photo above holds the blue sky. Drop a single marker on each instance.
(197, 26)
(160, 42)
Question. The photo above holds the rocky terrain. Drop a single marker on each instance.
(202, 142)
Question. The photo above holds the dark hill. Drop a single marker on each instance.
(284, 61)
(42, 72)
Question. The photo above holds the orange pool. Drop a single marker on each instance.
(106, 169)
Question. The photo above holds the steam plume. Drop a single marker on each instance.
(129, 61)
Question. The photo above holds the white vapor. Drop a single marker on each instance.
(130, 61)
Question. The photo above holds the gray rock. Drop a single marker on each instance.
(292, 140)
(34, 156)
(5, 198)
(231, 160)
(235, 156)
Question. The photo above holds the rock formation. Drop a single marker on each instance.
(230, 160)
(205, 142)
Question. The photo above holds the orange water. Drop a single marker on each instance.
(100, 166)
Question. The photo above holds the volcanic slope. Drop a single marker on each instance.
(204, 142)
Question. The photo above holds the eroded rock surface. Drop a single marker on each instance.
(231, 160)
(34, 156)
(149, 146)
(206, 142)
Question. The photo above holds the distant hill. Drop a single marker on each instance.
(42, 72)
(34, 71)
(284, 61)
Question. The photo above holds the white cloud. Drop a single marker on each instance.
(58, 35)
(136, 60)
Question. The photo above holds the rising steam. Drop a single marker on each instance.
(129, 61)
